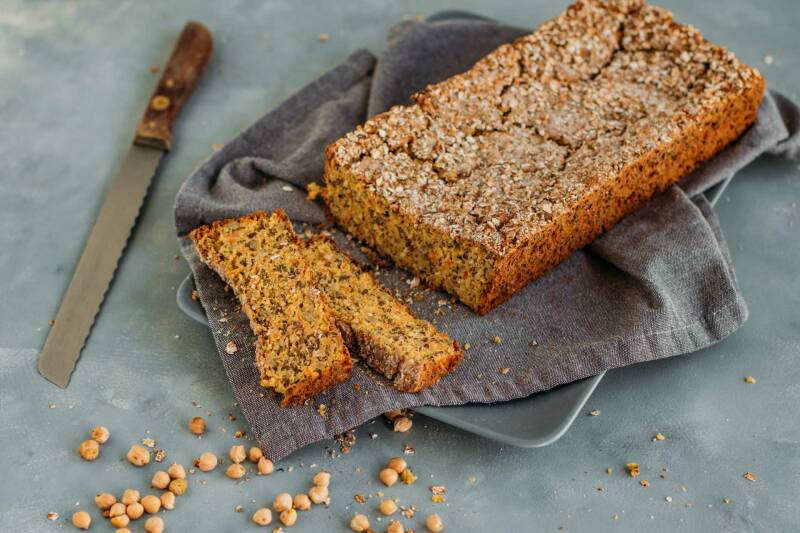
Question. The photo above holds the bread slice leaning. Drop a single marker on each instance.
(299, 349)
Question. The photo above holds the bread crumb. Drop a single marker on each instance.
(216, 147)
(313, 191)
(633, 469)
(644, 483)
(195, 295)
(505, 370)
(750, 380)
(659, 437)
(323, 37)
(52, 515)
(596, 412)
(768, 59)
(497, 339)
(750, 476)
(231, 348)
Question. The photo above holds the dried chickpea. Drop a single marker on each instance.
(301, 502)
(388, 477)
(322, 479)
(207, 462)
(178, 486)
(168, 500)
(176, 471)
(160, 480)
(134, 510)
(138, 455)
(288, 517)
(359, 523)
(81, 520)
(235, 471)
(237, 453)
(197, 425)
(89, 450)
(104, 500)
(398, 464)
(388, 507)
(282, 502)
(116, 509)
(262, 516)
(154, 524)
(434, 523)
(121, 520)
(402, 424)
(151, 504)
(130, 496)
(122, 530)
(265, 466)
(395, 527)
(255, 454)
(318, 494)
(100, 434)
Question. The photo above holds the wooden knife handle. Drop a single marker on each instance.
(183, 71)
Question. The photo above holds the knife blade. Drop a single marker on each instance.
(120, 209)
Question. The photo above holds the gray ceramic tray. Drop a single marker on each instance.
(531, 422)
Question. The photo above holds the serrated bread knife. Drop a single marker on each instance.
(121, 206)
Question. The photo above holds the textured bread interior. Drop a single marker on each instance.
(391, 340)
(496, 175)
(299, 349)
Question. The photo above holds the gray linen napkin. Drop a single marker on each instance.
(660, 283)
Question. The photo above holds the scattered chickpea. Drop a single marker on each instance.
(207, 462)
(104, 500)
(318, 494)
(116, 509)
(262, 517)
(402, 424)
(81, 520)
(130, 496)
(434, 523)
(100, 434)
(134, 510)
(265, 466)
(237, 453)
(388, 477)
(138, 455)
(301, 502)
(395, 527)
(398, 464)
(322, 479)
(255, 454)
(359, 523)
(168, 500)
(394, 413)
(288, 517)
(178, 486)
(235, 471)
(89, 450)
(160, 480)
(176, 471)
(197, 425)
(151, 504)
(282, 502)
(388, 507)
(154, 524)
(121, 520)
(122, 530)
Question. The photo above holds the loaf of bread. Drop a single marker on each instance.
(494, 176)
(308, 301)
(299, 349)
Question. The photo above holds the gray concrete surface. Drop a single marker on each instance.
(74, 80)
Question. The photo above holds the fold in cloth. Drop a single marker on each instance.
(660, 283)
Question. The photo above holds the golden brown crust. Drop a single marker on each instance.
(496, 175)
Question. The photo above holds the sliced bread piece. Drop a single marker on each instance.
(391, 340)
(299, 349)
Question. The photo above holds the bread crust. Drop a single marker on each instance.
(380, 175)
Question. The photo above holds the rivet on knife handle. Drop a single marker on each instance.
(185, 66)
